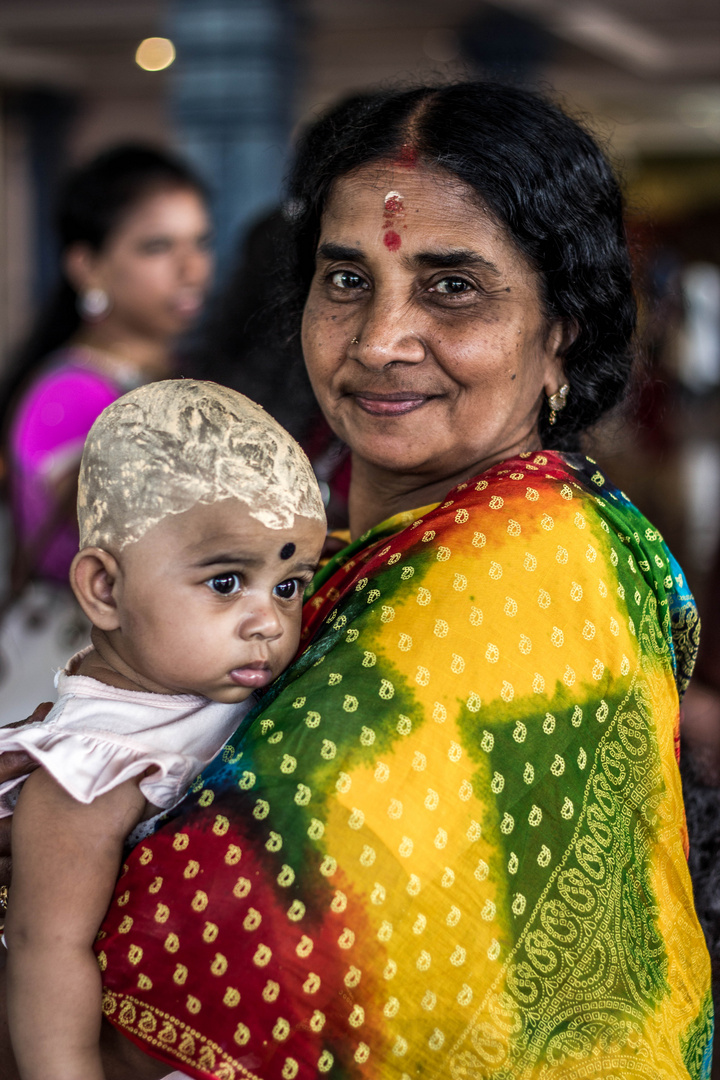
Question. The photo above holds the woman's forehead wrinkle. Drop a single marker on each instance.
(164, 447)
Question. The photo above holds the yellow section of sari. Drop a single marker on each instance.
(449, 842)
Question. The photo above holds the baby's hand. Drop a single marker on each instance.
(12, 764)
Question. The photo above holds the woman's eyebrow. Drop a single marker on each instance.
(451, 258)
(339, 253)
(441, 258)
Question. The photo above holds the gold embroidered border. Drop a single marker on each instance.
(142, 1020)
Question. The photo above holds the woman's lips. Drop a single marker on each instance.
(393, 404)
(252, 676)
(188, 306)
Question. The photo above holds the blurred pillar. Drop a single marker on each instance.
(45, 117)
(232, 100)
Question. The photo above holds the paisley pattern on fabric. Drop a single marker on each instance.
(449, 842)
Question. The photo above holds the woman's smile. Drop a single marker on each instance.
(390, 404)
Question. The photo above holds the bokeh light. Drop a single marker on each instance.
(155, 54)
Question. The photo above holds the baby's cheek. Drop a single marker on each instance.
(290, 641)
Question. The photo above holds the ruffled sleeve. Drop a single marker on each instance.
(97, 736)
(90, 764)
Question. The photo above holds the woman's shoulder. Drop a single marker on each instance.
(533, 482)
(63, 402)
(570, 498)
(64, 373)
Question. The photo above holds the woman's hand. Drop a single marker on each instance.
(12, 764)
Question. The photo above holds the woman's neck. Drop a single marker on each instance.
(149, 357)
(377, 494)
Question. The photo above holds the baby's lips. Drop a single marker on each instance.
(252, 677)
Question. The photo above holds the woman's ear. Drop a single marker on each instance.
(561, 335)
(93, 576)
(79, 265)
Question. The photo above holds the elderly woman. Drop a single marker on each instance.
(449, 841)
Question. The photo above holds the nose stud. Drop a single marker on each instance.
(354, 341)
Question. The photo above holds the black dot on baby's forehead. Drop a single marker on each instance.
(287, 551)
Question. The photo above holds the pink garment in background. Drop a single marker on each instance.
(46, 441)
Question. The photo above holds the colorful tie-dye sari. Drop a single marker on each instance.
(449, 842)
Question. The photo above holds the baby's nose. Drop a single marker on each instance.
(261, 621)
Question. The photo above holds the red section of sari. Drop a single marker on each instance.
(449, 840)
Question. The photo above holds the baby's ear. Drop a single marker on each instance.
(93, 575)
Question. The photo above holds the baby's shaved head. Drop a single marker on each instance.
(165, 447)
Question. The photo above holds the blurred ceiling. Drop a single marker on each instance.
(82, 45)
(648, 69)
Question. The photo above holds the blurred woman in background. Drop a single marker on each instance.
(136, 265)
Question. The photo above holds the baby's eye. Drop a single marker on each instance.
(347, 279)
(288, 590)
(452, 285)
(225, 584)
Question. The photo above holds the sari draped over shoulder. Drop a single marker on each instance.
(449, 842)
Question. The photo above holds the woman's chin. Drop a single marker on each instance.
(404, 458)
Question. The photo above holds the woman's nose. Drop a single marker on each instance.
(195, 266)
(389, 334)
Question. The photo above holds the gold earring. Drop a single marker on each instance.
(354, 341)
(557, 402)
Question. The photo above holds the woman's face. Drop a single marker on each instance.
(156, 266)
(423, 330)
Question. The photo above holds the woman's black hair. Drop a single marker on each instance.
(542, 176)
(91, 204)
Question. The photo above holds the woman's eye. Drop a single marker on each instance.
(450, 286)
(225, 584)
(156, 246)
(346, 279)
(288, 590)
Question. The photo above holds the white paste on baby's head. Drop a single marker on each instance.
(166, 446)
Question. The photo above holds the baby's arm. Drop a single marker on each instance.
(65, 862)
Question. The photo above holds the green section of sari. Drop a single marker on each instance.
(449, 840)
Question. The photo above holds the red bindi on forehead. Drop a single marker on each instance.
(393, 210)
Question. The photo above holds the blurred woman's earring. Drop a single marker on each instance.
(93, 304)
(557, 402)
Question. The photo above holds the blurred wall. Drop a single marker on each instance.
(249, 72)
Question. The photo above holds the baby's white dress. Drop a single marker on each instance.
(97, 736)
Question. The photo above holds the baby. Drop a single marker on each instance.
(201, 523)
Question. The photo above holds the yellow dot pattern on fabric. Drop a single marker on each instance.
(461, 776)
